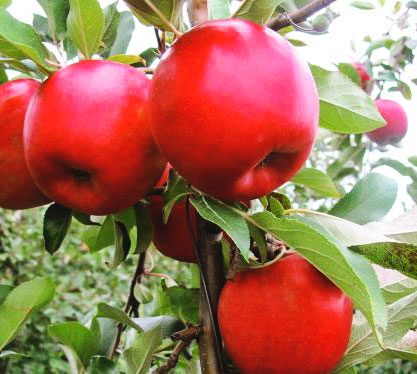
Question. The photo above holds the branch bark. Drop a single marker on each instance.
(212, 279)
(300, 15)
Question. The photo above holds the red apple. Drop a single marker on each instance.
(284, 318)
(365, 77)
(234, 109)
(87, 140)
(17, 189)
(396, 126)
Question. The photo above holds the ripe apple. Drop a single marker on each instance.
(173, 238)
(87, 140)
(234, 109)
(17, 189)
(284, 318)
(365, 77)
(396, 126)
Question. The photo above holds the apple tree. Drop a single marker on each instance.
(221, 147)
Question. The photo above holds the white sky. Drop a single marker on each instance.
(325, 50)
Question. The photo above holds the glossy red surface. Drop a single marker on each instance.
(173, 238)
(365, 77)
(397, 123)
(287, 318)
(17, 189)
(87, 139)
(234, 109)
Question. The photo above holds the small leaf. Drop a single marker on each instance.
(259, 11)
(81, 340)
(23, 300)
(57, 13)
(144, 228)
(98, 238)
(56, 223)
(127, 59)
(122, 243)
(225, 217)
(168, 324)
(19, 40)
(124, 34)
(171, 9)
(360, 4)
(177, 190)
(139, 355)
(276, 207)
(412, 5)
(86, 25)
(397, 256)
(370, 199)
(218, 9)
(398, 166)
(3, 76)
(398, 290)
(350, 71)
(5, 3)
(107, 311)
(260, 239)
(317, 181)
(350, 272)
(344, 107)
(405, 90)
(111, 23)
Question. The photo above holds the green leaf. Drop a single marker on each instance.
(397, 256)
(98, 238)
(350, 71)
(40, 24)
(81, 340)
(259, 11)
(86, 25)
(350, 272)
(360, 4)
(177, 190)
(19, 40)
(122, 243)
(139, 355)
(398, 166)
(225, 216)
(412, 5)
(5, 3)
(405, 90)
(344, 107)
(107, 311)
(363, 345)
(57, 13)
(56, 223)
(127, 59)
(148, 56)
(178, 302)
(317, 181)
(370, 199)
(3, 76)
(260, 239)
(218, 9)
(171, 9)
(144, 228)
(4, 291)
(22, 301)
(276, 207)
(102, 365)
(111, 23)
(124, 34)
(398, 290)
(11, 354)
(168, 324)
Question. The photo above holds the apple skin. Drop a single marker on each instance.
(299, 320)
(234, 109)
(397, 123)
(17, 189)
(365, 77)
(87, 140)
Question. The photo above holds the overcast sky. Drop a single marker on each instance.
(349, 28)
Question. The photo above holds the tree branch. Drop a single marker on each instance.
(300, 15)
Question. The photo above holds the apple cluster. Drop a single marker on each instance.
(234, 110)
(392, 112)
